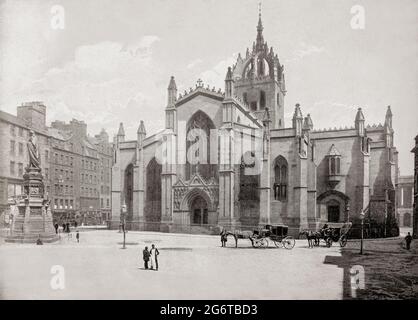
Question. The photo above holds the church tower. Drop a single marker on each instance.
(259, 80)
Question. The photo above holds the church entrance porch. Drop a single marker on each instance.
(195, 206)
(333, 207)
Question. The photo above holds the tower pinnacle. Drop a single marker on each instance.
(260, 40)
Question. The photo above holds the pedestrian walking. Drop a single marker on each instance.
(154, 257)
(77, 236)
(56, 226)
(146, 256)
(408, 240)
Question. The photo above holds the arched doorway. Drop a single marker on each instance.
(153, 196)
(333, 210)
(128, 190)
(199, 211)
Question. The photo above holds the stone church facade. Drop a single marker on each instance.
(227, 158)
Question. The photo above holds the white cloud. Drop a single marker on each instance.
(305, 50)
(104, 84)
(194, 63)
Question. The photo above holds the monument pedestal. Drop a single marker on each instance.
(34, 218)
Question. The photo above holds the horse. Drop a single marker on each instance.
(237, 234)
(313, 237)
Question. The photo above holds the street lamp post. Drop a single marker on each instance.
(362, 231)
(123, 225)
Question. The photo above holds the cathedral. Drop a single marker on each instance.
(226, 158)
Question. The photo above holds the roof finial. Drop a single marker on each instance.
(259, 9)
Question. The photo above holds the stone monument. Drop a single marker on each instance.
(33, 220)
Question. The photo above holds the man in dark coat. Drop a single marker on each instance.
(145, 255)
(408, 240)
(56, 228)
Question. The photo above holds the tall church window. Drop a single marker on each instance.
(198, 146)
(262, 100)
(253, 105)
(280, 179)
(334, 165)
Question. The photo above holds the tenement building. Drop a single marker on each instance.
(405, 201)
(75, 166)
(14, 134)
(415, 206)
(227, 158)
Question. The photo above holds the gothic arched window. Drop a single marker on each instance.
(280, 179)
(262, 100)
(198, 138)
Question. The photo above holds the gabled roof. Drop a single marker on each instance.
(333, 151)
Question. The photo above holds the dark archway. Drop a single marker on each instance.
(153, 196)
(198, 147)
(128, 190)
(199, 211)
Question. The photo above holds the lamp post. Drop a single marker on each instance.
(123, 225)
(362, 231)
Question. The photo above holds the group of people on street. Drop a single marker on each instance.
(152, 255)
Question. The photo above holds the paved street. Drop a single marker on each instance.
(191, 267)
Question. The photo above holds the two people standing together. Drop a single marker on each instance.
(151, 255)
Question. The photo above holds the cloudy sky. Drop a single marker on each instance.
(112, 60)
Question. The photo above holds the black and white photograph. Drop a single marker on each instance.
(239, 150)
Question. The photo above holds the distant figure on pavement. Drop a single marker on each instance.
(39, 241)
(145, 255)
(56, 226)
(77, 236)
(63, 227)
(67, 225)
(223, 237)
(408, 240)
(154, 257)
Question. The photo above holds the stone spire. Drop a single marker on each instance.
(172, 92)
(266, 118)
(229, 87)
(388, 118)
(260, 39)
(121, 134)
(359, 122)
(141, 133)
(297, 120)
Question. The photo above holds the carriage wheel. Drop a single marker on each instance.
(328, 242)
(288, 242)
(256, 243)
(343, 241)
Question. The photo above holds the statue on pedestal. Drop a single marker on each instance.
(33, 152)
(33, 222)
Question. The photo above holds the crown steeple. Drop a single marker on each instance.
(260, 39)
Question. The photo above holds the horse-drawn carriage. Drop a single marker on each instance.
(259, 238)
(329, 233)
